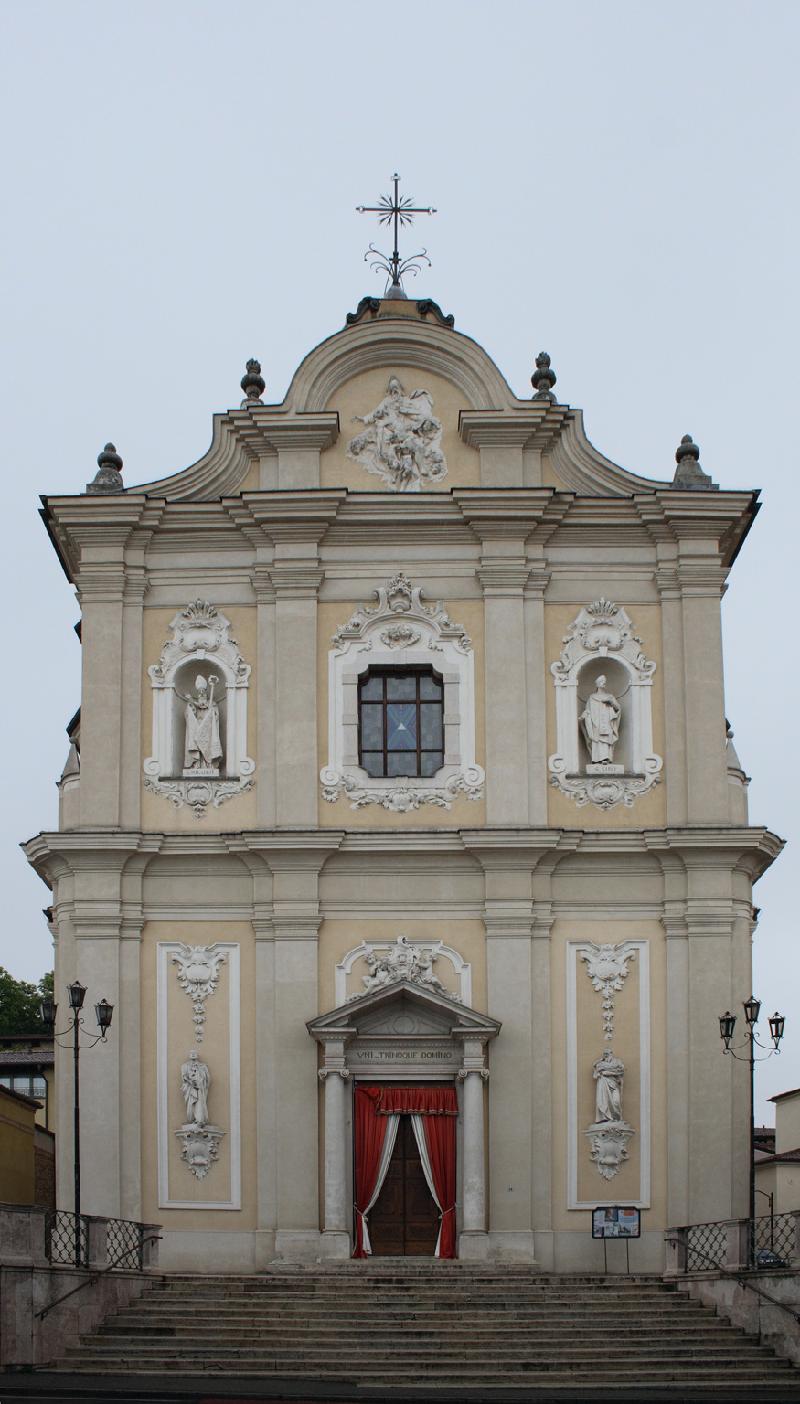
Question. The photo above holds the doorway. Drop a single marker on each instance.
(405, 1220)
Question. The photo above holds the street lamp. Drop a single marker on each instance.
(727, 1025)
(103, 1013)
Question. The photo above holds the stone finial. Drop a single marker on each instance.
(108, 477)
(543, 377)
(252, 382)
(688, 474)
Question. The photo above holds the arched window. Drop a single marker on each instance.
(401, 721)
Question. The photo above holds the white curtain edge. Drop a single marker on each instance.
(418, 1123)
(383, 1166)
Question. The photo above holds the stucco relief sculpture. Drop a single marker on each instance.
(199, 713)
(600, 720)
(195, 1082)
(402, 961)
(610, 1133)
(401, 631)
(401, 441)
(198, 1138)
(202, 750)
(607, 968)
(607, 712)
(387, 961)
(198, 974)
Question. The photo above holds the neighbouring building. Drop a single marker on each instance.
(27, 1066)
(405, 831)
(778, 1166)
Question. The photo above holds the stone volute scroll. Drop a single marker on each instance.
(200, 688)
(401, 631)
(604, 726)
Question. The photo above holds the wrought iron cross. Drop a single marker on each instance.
(397, 211)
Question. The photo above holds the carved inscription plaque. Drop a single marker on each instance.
(403, 1059)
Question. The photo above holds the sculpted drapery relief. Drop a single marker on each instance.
(401, 441)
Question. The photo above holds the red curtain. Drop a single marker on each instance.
(440, 1138)
(439, 1107)
(370, 1135)
(424, 1101)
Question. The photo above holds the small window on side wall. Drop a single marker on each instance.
(401, 722)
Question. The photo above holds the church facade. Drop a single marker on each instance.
(402, 826)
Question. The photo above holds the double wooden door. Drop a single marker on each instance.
(405, 1220)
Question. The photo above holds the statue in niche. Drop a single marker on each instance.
(608, 1073)
(600, 719)
(402, 440)
(202, 748)
(195, 1082)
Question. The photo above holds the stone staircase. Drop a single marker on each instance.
(396, 1324)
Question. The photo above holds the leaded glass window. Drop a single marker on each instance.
(401, 722)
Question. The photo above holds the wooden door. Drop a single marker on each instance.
(405, 1220)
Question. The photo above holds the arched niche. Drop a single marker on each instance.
(601, 643)
(200, 648)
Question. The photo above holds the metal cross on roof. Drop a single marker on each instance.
(397, 211)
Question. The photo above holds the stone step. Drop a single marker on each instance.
(120, 1328)
(624, 1374)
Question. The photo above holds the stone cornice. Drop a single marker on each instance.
(533, 427)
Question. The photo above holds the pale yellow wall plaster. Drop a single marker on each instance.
(158, 811)
(591, 1185)
(650, 809)
(214, 1051)
(463, 813)
(362, 394)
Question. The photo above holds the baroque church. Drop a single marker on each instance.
(402, 825)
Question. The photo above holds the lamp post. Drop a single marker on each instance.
(727, 1025)
(103, 1013)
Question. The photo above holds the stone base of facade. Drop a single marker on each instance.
(511, 1246)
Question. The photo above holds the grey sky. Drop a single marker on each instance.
(616, 184)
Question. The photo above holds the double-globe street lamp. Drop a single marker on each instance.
(103, 1013)
(727, 1024)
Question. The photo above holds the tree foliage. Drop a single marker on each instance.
(19, 1003)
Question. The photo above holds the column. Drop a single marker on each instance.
(335, 1237)
(702, 581)
(265, 694)
(473, 1241)
(537, 679)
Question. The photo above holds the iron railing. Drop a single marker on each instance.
(59, 1238)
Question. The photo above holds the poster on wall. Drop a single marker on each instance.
(614, 1221)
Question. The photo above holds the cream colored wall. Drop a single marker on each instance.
(158, 812)
(463, 813)
(787, 1123)
(650, 809)
(362, 394)
(591, 1186)
(214, 1051)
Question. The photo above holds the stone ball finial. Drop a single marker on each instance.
(688, 474)
(543, 377)
(252, 382)
(108, 477)
(687, 448)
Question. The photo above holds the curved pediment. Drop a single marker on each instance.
(330, 429)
